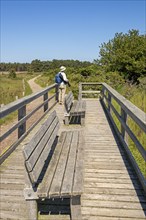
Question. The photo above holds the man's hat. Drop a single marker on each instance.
(62, 68)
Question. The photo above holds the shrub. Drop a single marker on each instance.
(12, 74)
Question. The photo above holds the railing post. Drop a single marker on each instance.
(21, 114)
(124, 118)
(57, 92)
(80, 91)
(45, 98)
(109, 101)
(103, 94)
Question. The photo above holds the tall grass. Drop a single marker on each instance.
(138, 98)
(12, 89)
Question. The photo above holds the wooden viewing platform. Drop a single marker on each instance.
(112, 190)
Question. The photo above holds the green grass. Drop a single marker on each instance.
(12, 88)
(137, 99)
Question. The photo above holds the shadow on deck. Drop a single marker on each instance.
(111, 188)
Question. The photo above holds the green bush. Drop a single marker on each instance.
(12, 74)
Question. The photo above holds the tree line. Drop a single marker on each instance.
(124, 55)
(42, 66)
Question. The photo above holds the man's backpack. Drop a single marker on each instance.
(58, 78)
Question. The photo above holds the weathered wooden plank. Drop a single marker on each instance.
(13, 215)
(85, 217)
(12, 192)
(67, 184)
(41, 161)
(108, 176)
(45, 185)
(13, 167)
(11, 186)
(129, 213)
(110, 191)
(12, 181)
(59, 173)
(114, 204)
(39, 148)
(79, 173)
(113, 197)
(112, 185)
(104, 155)
(108, 180)
(10, 198)
(78, 108)
(13, 206)
(91, 170)
(106, 167)
(68, 101)
(11, 175)
(29, 148)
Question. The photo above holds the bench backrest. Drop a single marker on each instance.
(68, 101)
(37, 150)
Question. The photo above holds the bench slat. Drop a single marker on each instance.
(30, 163)
(58, 177)
(79, 172)
(44, 186)
(78, 108)
(29, 148)
(70, 167)
(68, 101)
(34, 175)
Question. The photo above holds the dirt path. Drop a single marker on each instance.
(35, 87)
(13, 137)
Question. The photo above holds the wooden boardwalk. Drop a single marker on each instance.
(111, 188)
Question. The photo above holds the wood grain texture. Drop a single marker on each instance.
(111, 188)
(105, 162)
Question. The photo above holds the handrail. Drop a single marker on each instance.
(127, 109)
(20, 105)
(89, 91)
(107, 95)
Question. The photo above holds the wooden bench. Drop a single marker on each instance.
(73, 108)
(54, 167)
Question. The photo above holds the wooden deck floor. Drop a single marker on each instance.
(111, 188)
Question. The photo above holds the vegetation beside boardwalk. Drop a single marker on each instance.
(13, 88)
(122, 65)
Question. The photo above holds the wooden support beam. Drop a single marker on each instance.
(75, 205)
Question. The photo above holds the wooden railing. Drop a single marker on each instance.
(120, 110)
(89, 89)
(109, 98)
(49, 99)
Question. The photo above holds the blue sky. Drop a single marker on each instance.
(48, 30)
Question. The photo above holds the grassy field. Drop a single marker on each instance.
(12, 89)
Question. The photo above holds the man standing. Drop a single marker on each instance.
(62, 84)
